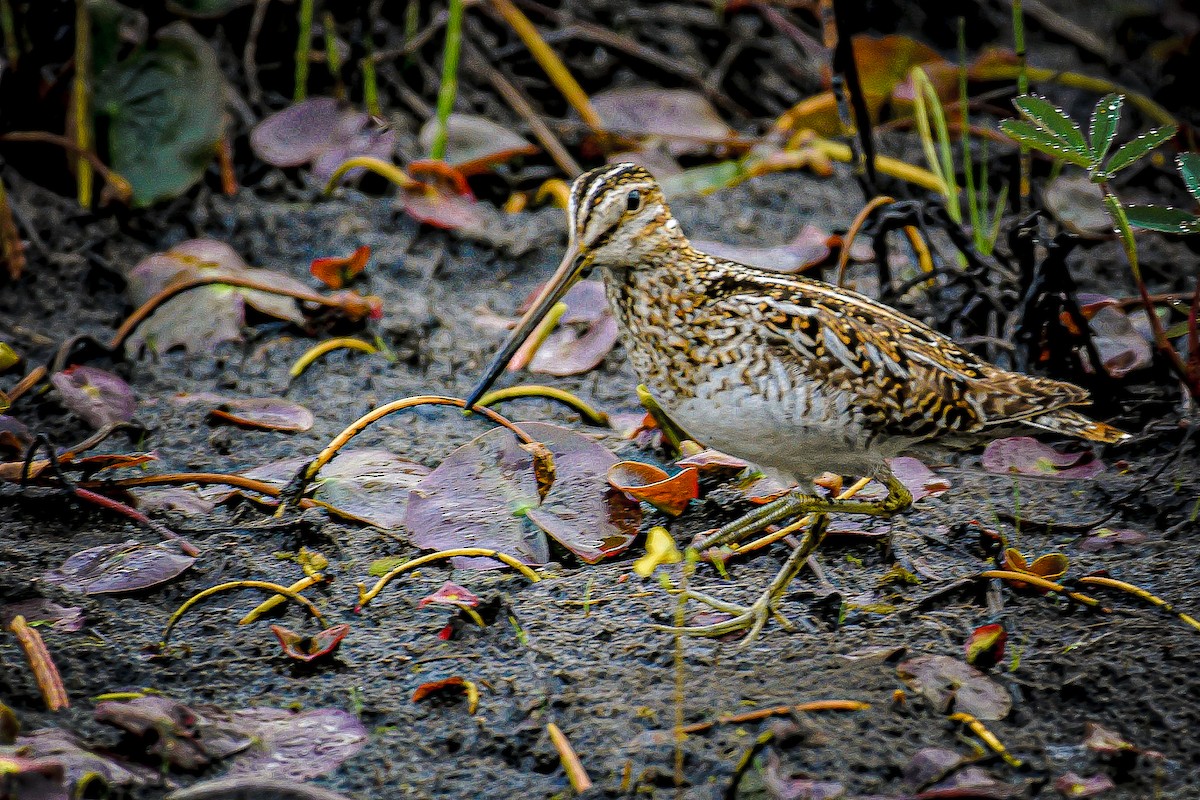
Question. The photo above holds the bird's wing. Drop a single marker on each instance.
(912, 379)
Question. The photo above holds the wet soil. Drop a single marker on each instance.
(578, 648)
(599, 671)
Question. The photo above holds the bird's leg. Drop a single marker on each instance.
(798, 502)
(754, 617)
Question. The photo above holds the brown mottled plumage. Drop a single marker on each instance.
(793, 374)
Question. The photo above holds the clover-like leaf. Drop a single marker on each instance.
(1054, 121)
(1024, 455)
(1162, 218)
(124, 567)
(98, 396)
(1133, 150)
(1029, 134)
(1189, 168)
(949, 683)
(1103, 129)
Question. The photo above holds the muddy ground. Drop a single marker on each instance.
(604, 676)
(599, 671)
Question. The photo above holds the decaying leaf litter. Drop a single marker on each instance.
(576, 645)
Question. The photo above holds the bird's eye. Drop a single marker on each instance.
(633, 200)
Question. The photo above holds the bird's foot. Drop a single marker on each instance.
(752, 618)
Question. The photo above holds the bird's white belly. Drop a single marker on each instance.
(799, 435)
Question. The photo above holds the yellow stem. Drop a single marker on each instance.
(365, 596)
(590, 415)
(328, 346)
(225, 587)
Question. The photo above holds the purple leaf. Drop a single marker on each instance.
(40, 609)
(684, 118)
(269, 413)
(952, 685)
(125, 567)
(475, 144)
(930, 764)
(188, 738)
(318, 129)
(33, 779)
(972, 782)
(1078, 204)
(1121, 346)
(481, 495)
(172, 499)
(97, 396)
(811, 246)
(79, 762)
(781, 786)
(565, 352)
(1107, 538)
(1024, 455)
(442, 209)
(297, 746)
(242, 786)
(203, 317)
(368, 485)
(1074, 785)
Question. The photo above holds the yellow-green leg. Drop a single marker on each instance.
(754, 617)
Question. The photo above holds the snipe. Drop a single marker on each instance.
(792, 374)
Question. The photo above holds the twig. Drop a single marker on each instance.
(778, 711)
(576, 774)
(44, 671)
(367, 595)
(225, 587)
(249, 65)
(1139, 592)
(980, 730)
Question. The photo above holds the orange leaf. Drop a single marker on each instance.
(336, 271)
(668, 493)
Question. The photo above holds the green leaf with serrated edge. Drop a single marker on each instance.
(1160, 218)
(1189, 168)
(1037, 138)
(1042, 113)
(1131, 151)
(1104, 125)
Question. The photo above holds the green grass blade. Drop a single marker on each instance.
(1104, 125)
(1038, 139)
(1189, 168)
(1131, 151)
(449, 88)
(1045, 115)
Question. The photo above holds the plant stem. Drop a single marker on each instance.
(81, 101)
(333, 59)
(964, 113)
(1024, 159)
(8, 29)
(449, 88)
(303, 50)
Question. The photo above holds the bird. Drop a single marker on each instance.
(793, 374)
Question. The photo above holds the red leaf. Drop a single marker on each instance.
(336, 271)
(668, 493)
(307, 648)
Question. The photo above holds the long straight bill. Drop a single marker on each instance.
(563, 279)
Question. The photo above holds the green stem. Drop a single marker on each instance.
(1024, 159)
(81, 101)
(449, 87)
(8, 28)
(1125, 232)
(333, 59)
(303, 50)
(964, 113)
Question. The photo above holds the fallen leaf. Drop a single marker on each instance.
(268, 413)
(1105, 741)
(336, 271)
(97, 396)
(307, 648)
(79, 762)
(203, 317)
(971, 782)
(782, 786)
(23, 778)
(321, 132)
(475, 144)
(1074, 785)
(810, 247)
(125, 567)
(951, 685)
(368, 485)
(930, 764)
(1078, 204)
(648, 483)
(172, 499)
(985, 646)
(1107, 538)
(188, 738)
(40, 610)
(567, 352)
(713, 461)
(451, 594)
(1121, 346)
(453, 684)
(684, 118)
(15, 437)
(262, 787)
(297, 746)
(1024, 455)
(1051, 566)
(482, 494)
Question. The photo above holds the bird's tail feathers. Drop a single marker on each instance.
(1073, 423)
